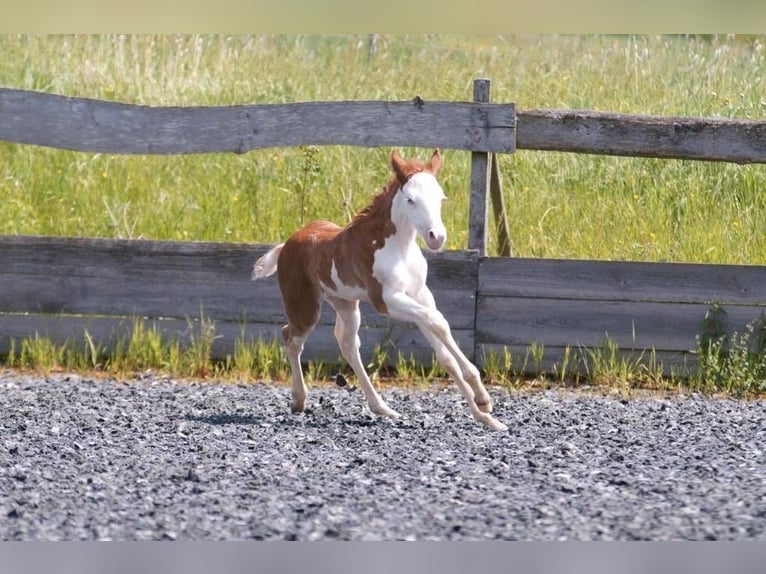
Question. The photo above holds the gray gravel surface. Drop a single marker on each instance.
(159, 459)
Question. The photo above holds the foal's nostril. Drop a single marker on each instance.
(431, 234)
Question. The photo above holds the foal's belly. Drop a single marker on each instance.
(341, 290)
(347, 292)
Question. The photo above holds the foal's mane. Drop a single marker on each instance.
(381, 202)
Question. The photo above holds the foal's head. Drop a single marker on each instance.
(419, 199)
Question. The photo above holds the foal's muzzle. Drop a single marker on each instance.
(435, 239)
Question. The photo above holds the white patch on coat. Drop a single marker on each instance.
(344, 291)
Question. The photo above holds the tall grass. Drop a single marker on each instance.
(560, 205)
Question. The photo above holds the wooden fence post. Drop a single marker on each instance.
(485, 183)
(478, 201)
(498, 207)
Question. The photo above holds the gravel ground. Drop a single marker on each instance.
(158, 459)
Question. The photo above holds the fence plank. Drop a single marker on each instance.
(585, 131)
(107, 127)
(181, 280)
(633, 325)
(157, 297)
(623, 280)
(177, 260)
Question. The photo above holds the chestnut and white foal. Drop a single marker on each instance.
(374, 258)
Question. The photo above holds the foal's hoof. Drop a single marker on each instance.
(386, 411)
(296, 407)
(494, 424)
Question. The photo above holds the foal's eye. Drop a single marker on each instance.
(410, 201)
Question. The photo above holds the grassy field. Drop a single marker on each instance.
(560, 205)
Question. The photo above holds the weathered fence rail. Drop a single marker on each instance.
(63, 287)
(97, 126)
(88, 125)
(640, 306)
(582, 131)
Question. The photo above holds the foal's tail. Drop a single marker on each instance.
(267, 264)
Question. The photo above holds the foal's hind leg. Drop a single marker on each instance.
(302, 302)
(346, 333)
(302, 318)
(293, 348)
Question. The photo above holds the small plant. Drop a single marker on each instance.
(653, 372)
(270, 360)
(498, 366)
(242, 364)
(735, 364)
(429, 372)
(122, 225)
(305, 178)
(712, 331)
(142, 349)
(40, 353)
(11, 360)
(317, 371)
(537, 351)
(198, 355)
(378, 365)
(567, 368)
(36, 352)
(608, 365)
(94, 352)
(406, 367)
(174, 359)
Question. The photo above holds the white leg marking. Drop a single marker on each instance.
(470, 372)
(436, 330)
(346, 331)
(293, 350)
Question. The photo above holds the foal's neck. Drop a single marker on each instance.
(405, 233)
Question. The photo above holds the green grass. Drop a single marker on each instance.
(734, 365)
(560, 205)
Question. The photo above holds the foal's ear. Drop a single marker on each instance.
(435, 163)
(400, 166)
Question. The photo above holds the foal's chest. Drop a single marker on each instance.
(400, 269)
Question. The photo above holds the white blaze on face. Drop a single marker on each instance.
(420, 202)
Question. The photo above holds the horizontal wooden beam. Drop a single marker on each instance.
(62, 286)
(98, 126)
(581, 131)
(622, 281)
(108, 127)
(582, 323)
(180, 280)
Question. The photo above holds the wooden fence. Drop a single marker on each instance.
(64, 287)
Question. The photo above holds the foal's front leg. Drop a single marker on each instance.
(469, 370)
(436, 330)
(347, 323)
